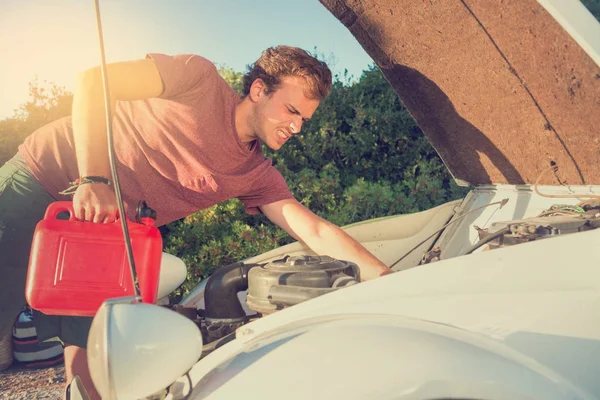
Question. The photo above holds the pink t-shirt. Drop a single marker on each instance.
(179, 152)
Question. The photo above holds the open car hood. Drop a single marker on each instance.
(499, 87)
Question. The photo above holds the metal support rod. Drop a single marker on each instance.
(111, 154)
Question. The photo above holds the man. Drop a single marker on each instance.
(184, 141)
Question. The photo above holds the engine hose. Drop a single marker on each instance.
(220, 294)
(487, 239)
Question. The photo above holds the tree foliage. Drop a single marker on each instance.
(47, 102)
(361, 156)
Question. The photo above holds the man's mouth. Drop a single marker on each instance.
(283, 135)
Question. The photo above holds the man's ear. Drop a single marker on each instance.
(257, 89)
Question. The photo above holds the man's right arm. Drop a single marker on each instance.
(129, 80)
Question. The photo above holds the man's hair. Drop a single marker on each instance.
(278, 62)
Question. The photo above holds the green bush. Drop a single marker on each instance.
(361, 156)
(47, 103)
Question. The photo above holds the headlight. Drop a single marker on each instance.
(137, 349)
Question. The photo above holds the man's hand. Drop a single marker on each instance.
(95, 202)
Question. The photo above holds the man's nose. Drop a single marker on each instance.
(296, 126)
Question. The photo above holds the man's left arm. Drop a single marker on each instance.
(323, 237)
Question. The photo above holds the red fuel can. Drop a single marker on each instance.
(75, 266)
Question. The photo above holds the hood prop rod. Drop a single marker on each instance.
(111, 156)
(502, 203)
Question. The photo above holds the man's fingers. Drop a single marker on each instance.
(99, 217)
(105, 214)
(89, 213)
(96, 215)
(79, 213)
(109, 218)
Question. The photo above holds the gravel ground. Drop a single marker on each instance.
(18, 383)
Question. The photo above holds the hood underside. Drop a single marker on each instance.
(499, 87)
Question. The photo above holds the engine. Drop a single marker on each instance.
(271, 287)
(292, 280)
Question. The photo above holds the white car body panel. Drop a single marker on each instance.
(540, 298)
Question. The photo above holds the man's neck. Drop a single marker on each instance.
(243, 111)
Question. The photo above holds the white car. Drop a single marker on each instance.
(497, 295)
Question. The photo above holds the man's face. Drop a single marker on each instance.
(280, 115)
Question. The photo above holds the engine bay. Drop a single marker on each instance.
(292, 279)
(271, 287)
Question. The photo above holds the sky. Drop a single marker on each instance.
(54, 39)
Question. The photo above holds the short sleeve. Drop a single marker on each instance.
(181, 73)
(271, 187)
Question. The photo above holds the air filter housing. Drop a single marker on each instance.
(292, 280)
